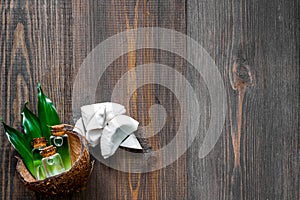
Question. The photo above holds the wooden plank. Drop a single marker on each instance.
(95, 21)
(35, 47)
(47, 42)
(256, 44)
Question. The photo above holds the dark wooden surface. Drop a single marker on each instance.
(256, 43)
(257, 156)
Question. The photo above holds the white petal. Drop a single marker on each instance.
(93, 137)
(100, 116)
(79, 127)
(131, 142)
(94, 114)
(98, 119)
(115, 132)
(113, 110)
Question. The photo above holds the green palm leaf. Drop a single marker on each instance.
(30, 124)
(47, 113)
(19, 142)
(13, 133)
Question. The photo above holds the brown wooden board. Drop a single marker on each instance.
(256, 43)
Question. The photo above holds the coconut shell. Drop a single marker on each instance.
(70, 181)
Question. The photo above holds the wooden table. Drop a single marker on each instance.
(256, 43)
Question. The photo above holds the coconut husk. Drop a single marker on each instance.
(70, 181)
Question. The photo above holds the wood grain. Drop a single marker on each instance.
(255, 45)
(35, 47)
(115, 17)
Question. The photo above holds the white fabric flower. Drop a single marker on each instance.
(106, 122)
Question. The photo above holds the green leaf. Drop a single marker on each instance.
(31, 124)
(25, 154)
(19, 142)
(17, 135)
(47, 113)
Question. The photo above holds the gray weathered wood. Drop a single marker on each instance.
(257, 156)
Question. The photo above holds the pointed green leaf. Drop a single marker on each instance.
(30, 124)
(17, 135)
(47, 113)
(23, 151)
(19, 142)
